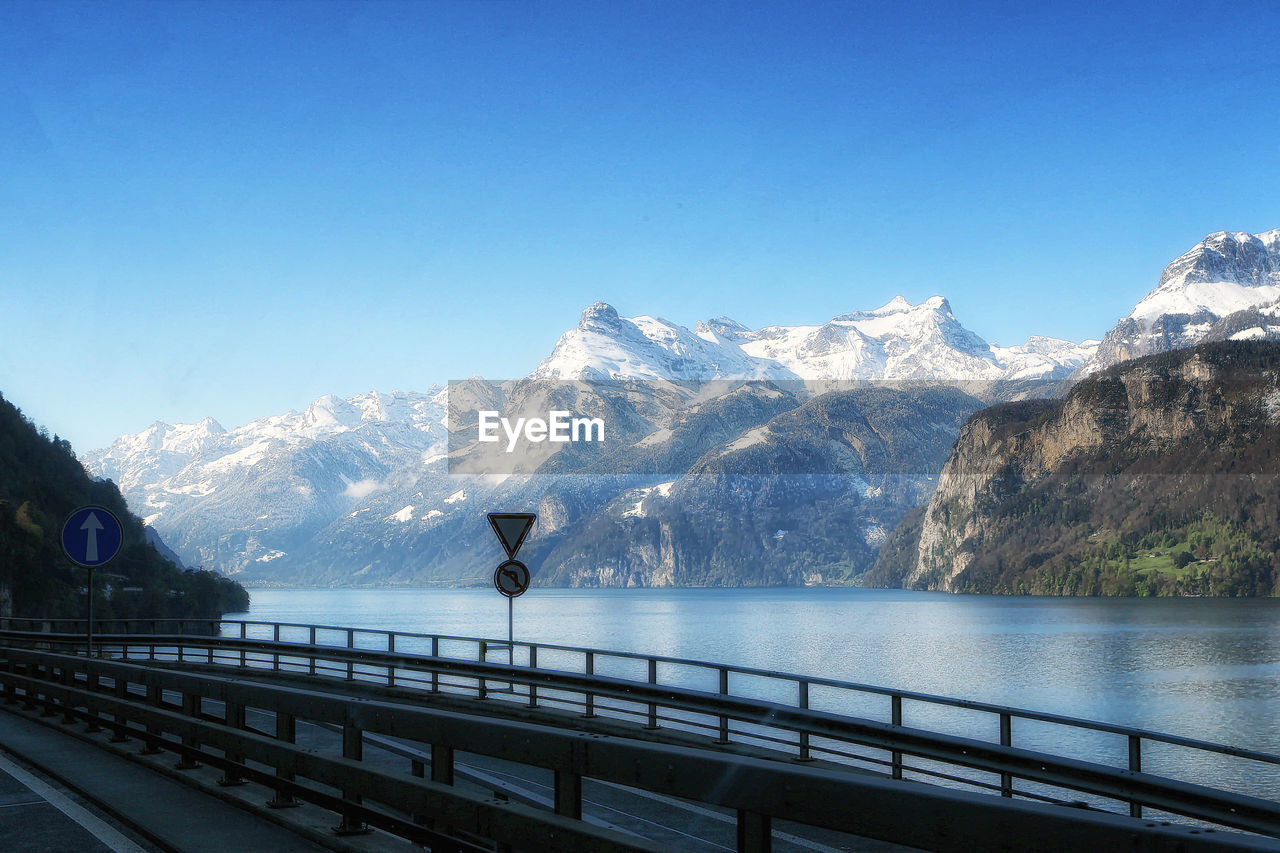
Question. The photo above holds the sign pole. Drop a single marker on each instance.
(512, 577)
(89, 627)
(91, 536)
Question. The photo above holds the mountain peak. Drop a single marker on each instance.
(599, 314)
(209, 425)
(722, 327)
(1224, 273)
(900, 305)
(897, 303)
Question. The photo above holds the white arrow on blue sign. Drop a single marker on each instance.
(92, 536)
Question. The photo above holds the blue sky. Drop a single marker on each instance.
(229, 209)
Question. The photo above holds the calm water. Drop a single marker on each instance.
(1203, 668)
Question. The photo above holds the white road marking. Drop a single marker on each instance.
(100, 829)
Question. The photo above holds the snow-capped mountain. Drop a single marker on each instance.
(1225, 273)
(896, 341)
(358, 490)
(245, 496)
(607, 346)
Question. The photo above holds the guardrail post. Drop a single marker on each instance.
(569, 794)
(191, 708)
(484, 686)
(94, 685)
(590, 710)
(755, 835)
(435, 673)
(533, 688)
(152, 743)
(391, 667)
(803, 702)
(244, 635)
(120, 721)
(10, 690)
(442, 763)
(353, 749)
(1135, 765)
(724, 720)
(441, 772)
(287, 731)
(1006, 739)
(311, 667)
(351, 665)
(68, 679)
(234, 719)
(275, 638)
(653, 706)
(895, 718)
(50, 707)
(30, 671)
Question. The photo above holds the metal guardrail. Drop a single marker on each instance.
(384, 657)
(589, 661)
(202, 717)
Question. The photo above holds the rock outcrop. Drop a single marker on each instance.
(1139, 453)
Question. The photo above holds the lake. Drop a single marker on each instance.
(1199, 667)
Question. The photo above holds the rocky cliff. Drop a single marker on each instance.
(806, 497)
(1156, 476)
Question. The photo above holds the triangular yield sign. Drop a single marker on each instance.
(512, 528)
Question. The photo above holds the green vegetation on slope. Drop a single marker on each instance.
(41, 483)
(1209, 556)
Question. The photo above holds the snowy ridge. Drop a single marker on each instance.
(1042, 357)
(201, 484)
(896, 341)
(607, 346)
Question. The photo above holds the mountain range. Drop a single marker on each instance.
(896, 341)
(807, 430)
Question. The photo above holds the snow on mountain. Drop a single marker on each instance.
(1041, 357)
(160, 450)
(234, 497)
(896, 341)
(358, 488)
(607, 346)
(1225, 273)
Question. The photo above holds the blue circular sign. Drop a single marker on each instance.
(92, 536)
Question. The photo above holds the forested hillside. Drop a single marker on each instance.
(41, 483)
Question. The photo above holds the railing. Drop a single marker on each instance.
(657, 694)
(218, 718)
